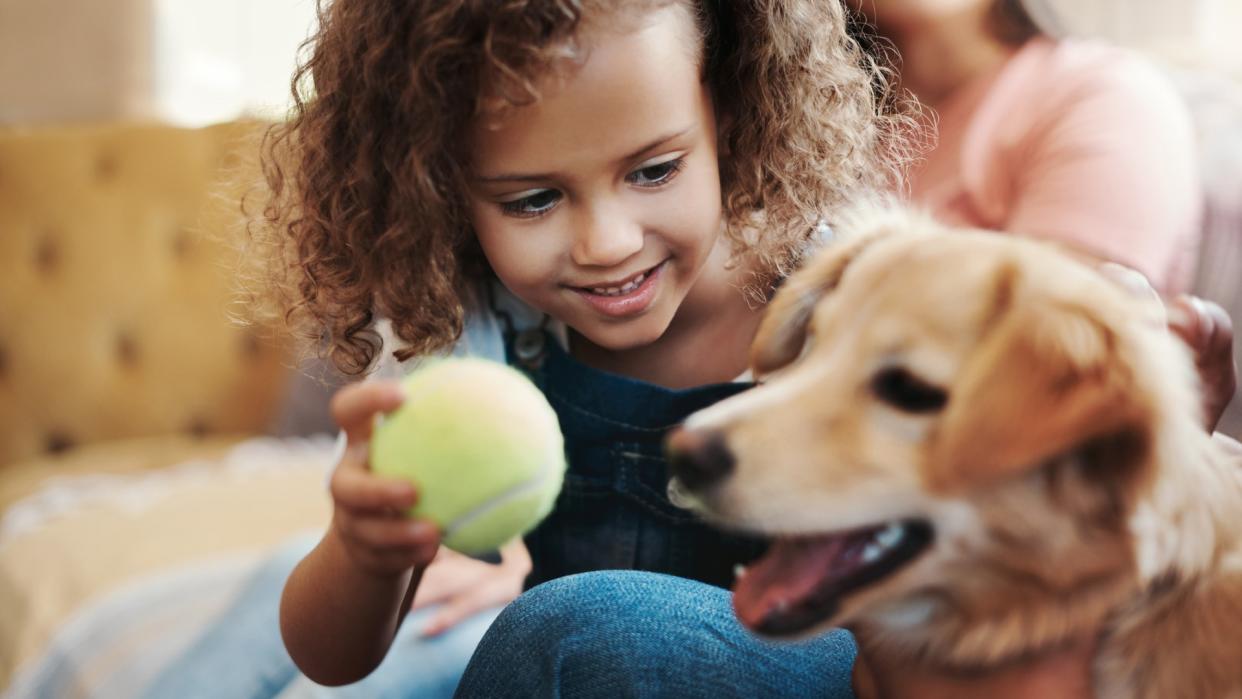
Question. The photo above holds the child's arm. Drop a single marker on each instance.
(343, 603)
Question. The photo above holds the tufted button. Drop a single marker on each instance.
(230, 159)
(182, 242)
(47, 256)
(197, 428)
(127, 350)
(58, 442)
(106, 167)
(251, 344)
(529, 345)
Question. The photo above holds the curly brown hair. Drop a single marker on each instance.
(365, 213)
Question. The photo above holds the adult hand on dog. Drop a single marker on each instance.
(1207, 328)
(1201, 324)
(464, 586)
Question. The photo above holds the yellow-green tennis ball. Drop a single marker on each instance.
(482, 446)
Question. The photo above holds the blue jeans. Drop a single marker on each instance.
(241, 655)
(634, 634)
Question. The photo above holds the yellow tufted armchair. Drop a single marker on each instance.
(116, 283)
(131, 403)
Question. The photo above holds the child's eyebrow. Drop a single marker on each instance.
(521, 177)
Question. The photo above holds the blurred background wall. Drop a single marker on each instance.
(185, 62)
(193, 63)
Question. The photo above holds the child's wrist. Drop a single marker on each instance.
(342, 555)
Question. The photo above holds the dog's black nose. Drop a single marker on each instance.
(697, 458)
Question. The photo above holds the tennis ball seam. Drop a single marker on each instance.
(499, 500)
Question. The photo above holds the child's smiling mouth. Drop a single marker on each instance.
(625, 297)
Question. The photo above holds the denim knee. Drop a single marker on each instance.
(625, 633)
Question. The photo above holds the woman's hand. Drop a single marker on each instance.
(1204, 326)
(368, 511)
(1208, 330)
(464, 586)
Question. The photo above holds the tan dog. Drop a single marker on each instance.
(972, 449)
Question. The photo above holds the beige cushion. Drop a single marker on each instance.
(101, 518)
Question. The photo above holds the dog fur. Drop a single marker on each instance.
(1070, 485)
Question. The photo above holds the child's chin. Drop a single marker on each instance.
(623, 334)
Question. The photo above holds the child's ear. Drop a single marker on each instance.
(1047, 380)
(786, 323)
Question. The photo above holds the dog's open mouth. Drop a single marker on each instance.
(797, 584)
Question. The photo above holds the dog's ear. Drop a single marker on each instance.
(1048, 379)
(783, 331)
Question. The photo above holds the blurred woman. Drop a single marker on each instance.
(1058, 138)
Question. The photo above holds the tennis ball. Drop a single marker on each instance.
(481, 444)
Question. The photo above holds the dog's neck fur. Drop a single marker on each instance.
(1181, 526)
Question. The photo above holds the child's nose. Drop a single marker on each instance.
(606, 238)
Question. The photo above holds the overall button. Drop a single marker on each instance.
(529, 346)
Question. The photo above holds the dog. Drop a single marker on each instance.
(969, 449)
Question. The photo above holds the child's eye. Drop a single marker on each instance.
(658, 174)
(534, 204)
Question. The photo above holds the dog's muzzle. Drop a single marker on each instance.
(698, 459)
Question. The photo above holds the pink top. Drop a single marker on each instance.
(1077, 142)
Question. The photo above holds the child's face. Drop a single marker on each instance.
(600, 203)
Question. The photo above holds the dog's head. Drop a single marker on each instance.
(950, 441)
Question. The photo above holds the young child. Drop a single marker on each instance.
(602, 193)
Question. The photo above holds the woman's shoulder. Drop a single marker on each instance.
(1051, 75)
(1057, 95)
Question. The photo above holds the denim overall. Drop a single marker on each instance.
(614, 511)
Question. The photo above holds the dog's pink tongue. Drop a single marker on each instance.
(788, 574)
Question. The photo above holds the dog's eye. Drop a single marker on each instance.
(907, 392)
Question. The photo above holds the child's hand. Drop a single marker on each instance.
(465, 586)
(368, 510)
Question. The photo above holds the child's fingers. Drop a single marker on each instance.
(389, 532)
(491, 593)
(355, 487)
(354, 407)
(448, 576)
(395, 560)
